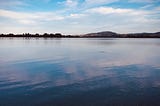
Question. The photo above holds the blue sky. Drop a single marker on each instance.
(79, 16)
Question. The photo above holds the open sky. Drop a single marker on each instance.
(79, 16)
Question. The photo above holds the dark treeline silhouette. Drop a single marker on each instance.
(45, 35)
(105, 34)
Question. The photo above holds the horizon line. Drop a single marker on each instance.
(77, 34)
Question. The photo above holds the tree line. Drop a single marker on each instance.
(56, 35)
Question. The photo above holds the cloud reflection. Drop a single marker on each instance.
(118, 65)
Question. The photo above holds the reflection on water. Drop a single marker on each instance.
(79, 72)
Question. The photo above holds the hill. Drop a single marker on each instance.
(109, 34)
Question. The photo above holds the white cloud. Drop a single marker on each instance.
(76, 15)
(116, 11)
(92, 16)
(108, 10)
(98, 2)
(5, 3)
(30, 18)
(147, 6)
(69, 3)
(144, 1)
(123, 20)
(15, 15)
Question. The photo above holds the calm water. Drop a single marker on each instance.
(79, 72)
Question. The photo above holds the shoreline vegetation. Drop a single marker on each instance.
(105, 34)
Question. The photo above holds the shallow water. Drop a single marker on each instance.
(79, 72)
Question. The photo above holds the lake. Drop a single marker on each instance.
(79, 72)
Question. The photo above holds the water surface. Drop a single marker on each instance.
(79, 72)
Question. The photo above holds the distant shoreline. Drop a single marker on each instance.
(105, 34)
(69, 37)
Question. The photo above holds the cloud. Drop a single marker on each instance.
(82, 16)
(4, 3)
(30, 18)
(99, 2)
(108, 10)
(69, 3)
(86, 3)
(76, 15)
(123, 20)
(144, 1)
(104, 10)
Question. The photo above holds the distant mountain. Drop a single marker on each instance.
(109, 34)
(101, 34)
